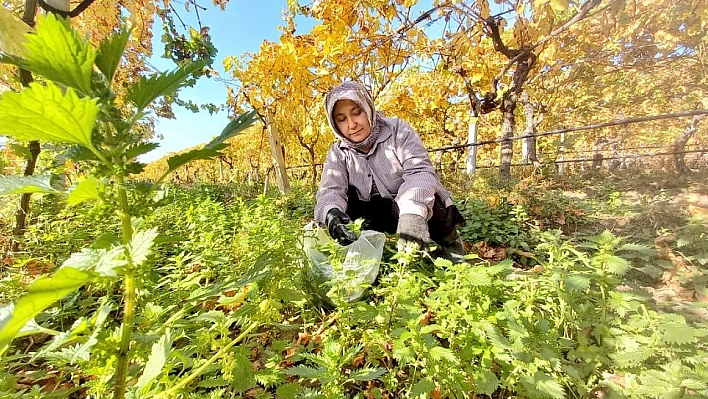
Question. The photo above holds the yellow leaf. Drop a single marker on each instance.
(12, 33)
(559, 5)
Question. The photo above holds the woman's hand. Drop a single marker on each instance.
(412, 229)
(337, 222)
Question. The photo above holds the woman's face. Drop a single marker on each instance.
(351, 121)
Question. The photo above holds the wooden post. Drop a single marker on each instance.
(561, 155)
(278, 152)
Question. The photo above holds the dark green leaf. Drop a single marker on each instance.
(21, 150)
(80, 153)
(148, 89)
(25, 115)
(422, 387)
(176, 161)
(25, 184)
(139, 149)
(58, 53)
(288, 391)
(110, 52)
(234, 127)
(305, 371)
(486, 382)
(367, 374)
(676, 333)
(40, 295)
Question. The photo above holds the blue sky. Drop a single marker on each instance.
(240, 29)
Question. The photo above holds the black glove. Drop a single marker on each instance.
(336, 224)
(412, 229)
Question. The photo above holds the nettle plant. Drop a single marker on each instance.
(74, 104)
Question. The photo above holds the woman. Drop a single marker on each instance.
(379, 170)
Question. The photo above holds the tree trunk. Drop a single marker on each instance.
(507, 130)
(278, 153)
(528, 151)
(680, 143)
(472, 134)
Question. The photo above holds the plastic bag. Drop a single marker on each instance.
(359, 267)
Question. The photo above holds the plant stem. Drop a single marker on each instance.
(128, 300)
(199, 371)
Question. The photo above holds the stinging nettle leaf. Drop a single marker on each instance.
(86, 190)
(40, 295)
(100, 261)
(140, 245)
(26, 184)
(422, 387)
(21, 150)
(44, 113)
(234, 127)
(136, 150)
(12, 33)
(158, 357)
(150, 88)
(58, 53)
(110, 52)
(548, 385)
(176, 161)
(367, 374)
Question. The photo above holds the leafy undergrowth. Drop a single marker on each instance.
(552, 303)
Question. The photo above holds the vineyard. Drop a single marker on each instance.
(572, 136)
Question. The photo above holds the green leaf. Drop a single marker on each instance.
(617, 265)
(486, 382)
(234, 127)
(695, 385)
(632, 358)
(676, 333)
(140, 245)
(422, 387)
(84, 191)
(26, 184)
(44, 113)
(404, 354)
(139, 149)
(439, 353)
(40, 295)
(158, 357)
(58, 53)
(100, 261)
(307, 372)
(110, 52)
(288, 391)
(367, 374)
(176, 161)
(577, 283)
(643, 249)
(548, 385)
(148, 89)
(12, 33)
(478, 276)
(21, 150)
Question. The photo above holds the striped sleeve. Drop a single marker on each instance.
(332, 192)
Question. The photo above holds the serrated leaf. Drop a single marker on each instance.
(695, 385)
(44, 113)
(477, 277)
(439, 353)
(150, 88)
(234, 127)
(577, 283)
(80, 153)
(41, 293)
(486, 382)
(422, 387)
(140, 245)
(305, 371)
(676, 333)
(100, 261)
(158, 357)
(632, 358)
(86, 190)
(136, 150)
(12, 33)
(26, 184)
(21, 150)
(404, 354)
(548, 385)
(643, 249)
(176, 161)
(58, 53)
(110, 52)
(617, 265)
(367, 374)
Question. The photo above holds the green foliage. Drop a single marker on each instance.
(504, 224)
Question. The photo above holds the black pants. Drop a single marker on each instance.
(381, 214)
